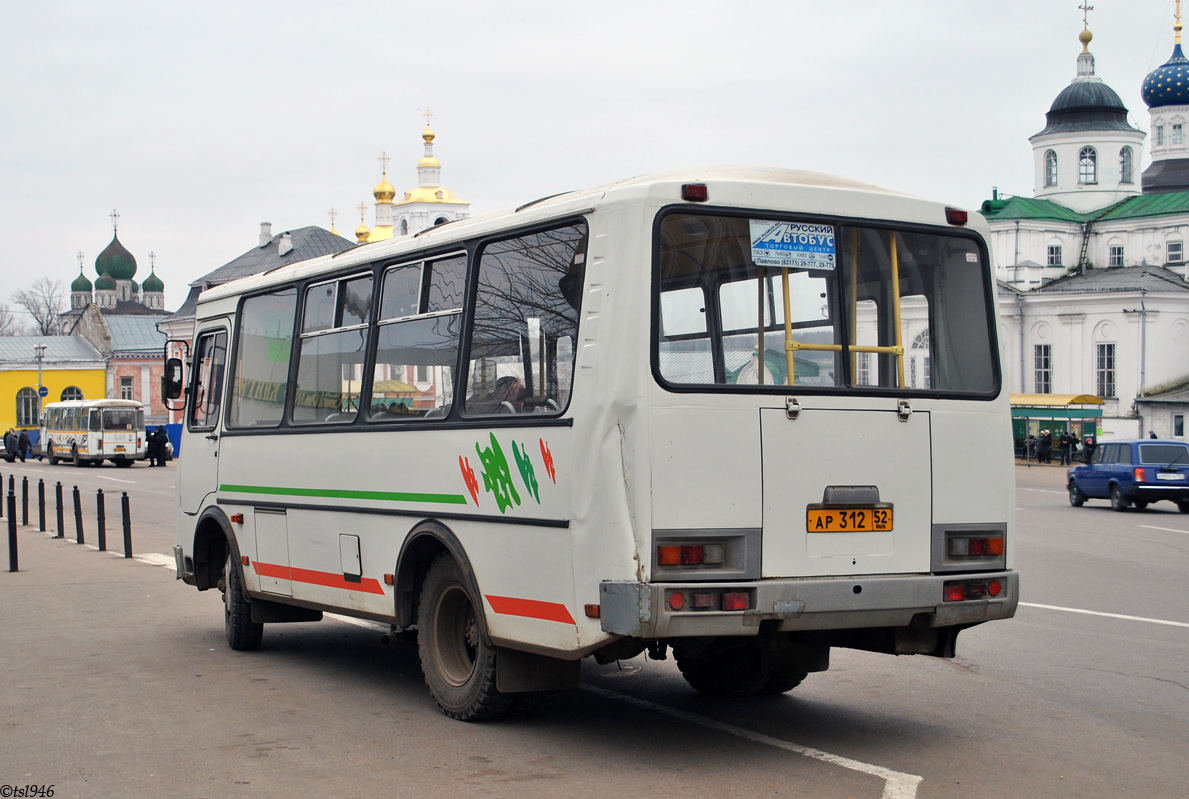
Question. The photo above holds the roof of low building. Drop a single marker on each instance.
(1121, 278)
(1178, 393)
(58, 349)
(134, 333)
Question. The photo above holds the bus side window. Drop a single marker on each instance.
(525, 308)
(209, 359)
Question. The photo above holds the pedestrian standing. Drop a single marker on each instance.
(22, 445)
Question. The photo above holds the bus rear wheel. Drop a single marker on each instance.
(242, 633)
(49, 454)
(459, 666)
(734, 672)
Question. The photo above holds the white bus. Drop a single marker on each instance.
(89, 432)
(745, 415)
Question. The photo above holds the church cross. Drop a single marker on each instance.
(362, 212)
(383, 159)
(115, 220)
(152, 258)
(1086, 9)
(333, 214)
(428, 116)
(80, 261)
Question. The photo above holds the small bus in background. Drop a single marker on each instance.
(87, 432)
(725, 412)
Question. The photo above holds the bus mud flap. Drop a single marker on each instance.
(517, 672)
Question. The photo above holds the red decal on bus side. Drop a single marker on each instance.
(468, 474)
(530, 608)
(547, 456)
(369, 585)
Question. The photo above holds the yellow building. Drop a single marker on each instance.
(70, 368)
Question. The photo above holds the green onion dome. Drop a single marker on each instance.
(116, 262)
(153, 283)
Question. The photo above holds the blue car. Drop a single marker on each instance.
(1133, 473)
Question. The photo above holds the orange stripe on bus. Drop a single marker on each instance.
(369, 585)
(530, 608)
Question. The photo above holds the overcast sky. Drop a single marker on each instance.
(199, 121)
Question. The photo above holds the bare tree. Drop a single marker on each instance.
(44, 301)
(9, 326)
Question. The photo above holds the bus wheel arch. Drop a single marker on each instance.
(422, 546)
(213, 540)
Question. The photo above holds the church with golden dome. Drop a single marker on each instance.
(427, 204)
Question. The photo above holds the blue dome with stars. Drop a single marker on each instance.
(1168, 84)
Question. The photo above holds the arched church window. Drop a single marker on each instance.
(404, 227)
(1050, 168)
(72, 393)
(441, 220)
(1087, 165)
(27, 407)
(1125, 165)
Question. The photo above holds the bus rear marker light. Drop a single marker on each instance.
(246, 560)
(735, 600)
(389, 579)
(592, 611)
(676, 600)
(695, 192)
(237, 518)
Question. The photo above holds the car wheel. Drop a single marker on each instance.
(1183, 507)
(459, 666)
(242, 633)
(1140, 504)
(1076, 497)
(1118, 501)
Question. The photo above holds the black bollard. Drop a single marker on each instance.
(60, 532)
(78, 515)
(101, 521)
(41, 505)
(12, 533)
(25, 500)
(127, 525)
(1, 496)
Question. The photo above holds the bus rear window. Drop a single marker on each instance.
(759, 301)
(119, 419)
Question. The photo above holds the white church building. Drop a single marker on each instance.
(1094, 288)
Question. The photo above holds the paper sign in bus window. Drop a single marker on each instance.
(792, 245)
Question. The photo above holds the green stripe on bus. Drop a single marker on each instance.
(334, 493)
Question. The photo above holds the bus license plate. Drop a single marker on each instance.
(119, 449)
(849, 520)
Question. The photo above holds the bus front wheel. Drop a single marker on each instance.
(242, 633)
(49, 453)
(459, 666)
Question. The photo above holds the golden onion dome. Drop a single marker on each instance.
(428, 134)
(1084, 37)
(384, 191)
(428, 160)
(362, 233)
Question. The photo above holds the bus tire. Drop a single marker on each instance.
(243, 634)
(733, 672)
(783, 682)
(459, 666)
(124, 463)
(49, 454)
(74, 458)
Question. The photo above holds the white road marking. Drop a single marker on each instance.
(1106, 615)
(1166, 529)
(115, 479)
(364, 623)
(1042, 490)
(897, 785)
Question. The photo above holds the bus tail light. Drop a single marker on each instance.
(956, 217)
(961, 590)
(691, 554)
(735, 600)
(975, 546)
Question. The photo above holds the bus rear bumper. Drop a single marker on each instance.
(646, 610)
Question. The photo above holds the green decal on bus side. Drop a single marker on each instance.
(527, 473)
(335, 493)
(497, 477)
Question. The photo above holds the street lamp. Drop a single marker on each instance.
(41, 392)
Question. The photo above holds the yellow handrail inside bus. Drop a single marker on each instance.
(791, 345)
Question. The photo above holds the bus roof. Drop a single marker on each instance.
(94, 403)
(731, 186)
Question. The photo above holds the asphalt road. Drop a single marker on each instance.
(116, 681)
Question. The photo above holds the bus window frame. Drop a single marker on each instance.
(195, 371)
(848, 388)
